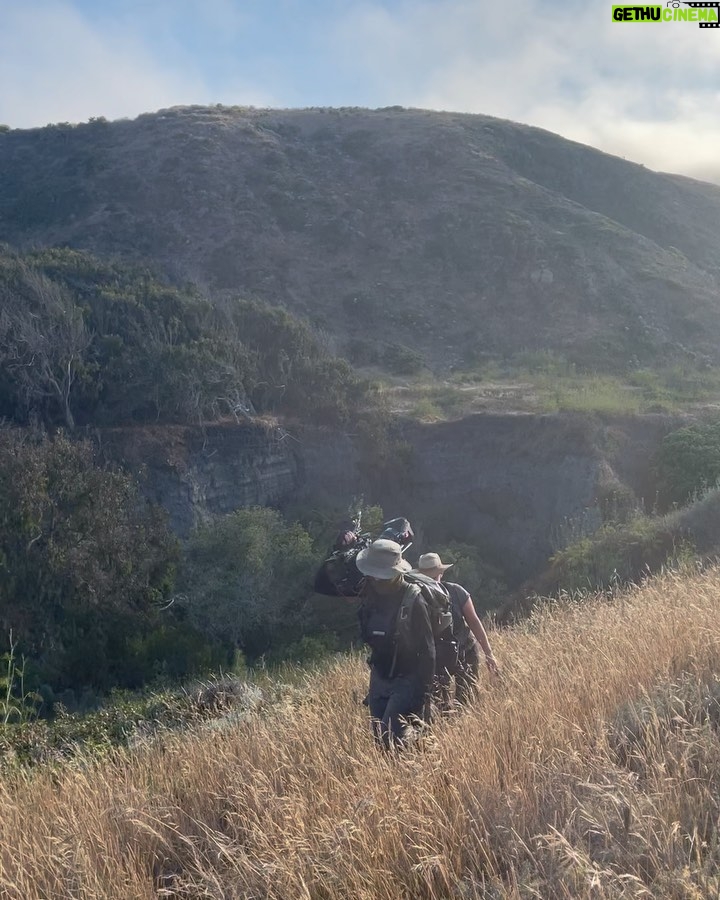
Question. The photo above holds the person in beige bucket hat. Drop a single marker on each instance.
(431, 562)
(469, 634)
(383, 560)
(395, 624)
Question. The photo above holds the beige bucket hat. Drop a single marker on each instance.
(430, 561)
(382, 559)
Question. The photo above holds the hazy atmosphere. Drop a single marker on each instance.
(359, 450)
(649, 94)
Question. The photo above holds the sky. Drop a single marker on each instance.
(647, 92)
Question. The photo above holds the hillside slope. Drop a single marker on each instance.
(590, 771)
(460, 236)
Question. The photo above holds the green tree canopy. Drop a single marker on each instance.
(245, 578)
(88, 342)
(84, 562)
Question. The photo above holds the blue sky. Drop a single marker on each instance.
(650, 93)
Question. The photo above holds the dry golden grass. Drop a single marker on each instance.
(568, 779)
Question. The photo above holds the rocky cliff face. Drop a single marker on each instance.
(508, 483)
(199, 473)
(517, 485)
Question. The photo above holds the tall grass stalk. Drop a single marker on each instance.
(16, 704)
(567, 779)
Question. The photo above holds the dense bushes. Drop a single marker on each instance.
(245, 579)
(124, 719)
(89, 594)
(290, 370)
(688, 462)
(85, 569)
(96, 593)
(90, 342)
(484, 582)
(616, 554)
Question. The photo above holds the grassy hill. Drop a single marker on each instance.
(590, 771)
(409, 237)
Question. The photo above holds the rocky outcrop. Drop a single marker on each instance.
(508, 483)
(519, 486)
(196, 473)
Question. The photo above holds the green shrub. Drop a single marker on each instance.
(306, 651)
(652, 389)
(426, 410)
(90, 342)
(688, 462)
(545, 362)
(245, 577)
(16, 703)
(84, 564)
(617, 554)
(402, 360)
(123, 719)
(588, 394)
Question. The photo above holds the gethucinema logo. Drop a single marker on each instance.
(707, 15)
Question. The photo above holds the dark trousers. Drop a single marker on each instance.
(397, 708)
(466, 672)
(467, 675)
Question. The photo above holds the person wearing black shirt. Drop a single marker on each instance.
(395, 624)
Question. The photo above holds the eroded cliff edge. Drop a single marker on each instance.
(517, 485)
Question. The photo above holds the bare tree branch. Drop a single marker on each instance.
(43, 341)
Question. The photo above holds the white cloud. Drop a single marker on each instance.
(54, 66)
(645, 92)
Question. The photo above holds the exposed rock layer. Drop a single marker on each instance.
(518, 486)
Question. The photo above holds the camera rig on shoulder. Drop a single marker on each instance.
(339, 576)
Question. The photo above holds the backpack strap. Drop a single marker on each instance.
(404, 619)
(439, 604)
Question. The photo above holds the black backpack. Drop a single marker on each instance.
(381, 628)
(439, 606)
(437, 599)
(461, 629)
